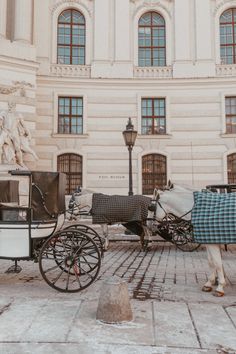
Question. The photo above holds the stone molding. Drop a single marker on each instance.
(70, 70)
(226, 70)
(220, 3)
(69, 3)
(153, 72)
(165, 5)
(155, 2)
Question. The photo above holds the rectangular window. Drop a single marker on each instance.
(70, 115)
(230, 111)
(153, 116)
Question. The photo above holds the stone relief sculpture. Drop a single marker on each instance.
(7, 153)
(14, 139)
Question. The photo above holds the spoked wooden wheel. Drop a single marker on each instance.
(69, 260)
(183, 237)
(91, 233)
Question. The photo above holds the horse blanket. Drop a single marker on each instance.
(214, 217)
(111, 209)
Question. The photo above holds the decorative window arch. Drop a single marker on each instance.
(84, 9)
(154, 172)
(151, 39)
(72, 165)
(71, 38)
(228, 36)
(231, 168)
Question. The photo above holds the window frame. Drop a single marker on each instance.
(152, 48)
(70, 175)
(71, 46)
(153, 117)
(86, 12)
(151, 176)
(233, 44)
(142, 9)
(231, 180)
(70, 116)
(229, 126)
(69, 93)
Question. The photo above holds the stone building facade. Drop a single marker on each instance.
(78, 69)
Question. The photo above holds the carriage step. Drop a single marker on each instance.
(14, 269)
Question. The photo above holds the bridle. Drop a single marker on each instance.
(156, 201)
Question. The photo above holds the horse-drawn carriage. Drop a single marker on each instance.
(32, 213)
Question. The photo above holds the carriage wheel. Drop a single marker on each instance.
(88, 230)
(183, 237)
(69, 261)
(189, 247)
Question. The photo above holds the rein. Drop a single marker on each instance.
(159, 203)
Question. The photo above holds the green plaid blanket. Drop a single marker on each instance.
(214, 217)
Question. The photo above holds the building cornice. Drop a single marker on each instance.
(18, 63)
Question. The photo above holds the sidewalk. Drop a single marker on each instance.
(171, 314)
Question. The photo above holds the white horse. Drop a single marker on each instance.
(179, 201)
(81, 204)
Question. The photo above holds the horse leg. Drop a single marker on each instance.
(212, 278)
(219, 270)
(105, 236)
(147, 238)
(215, 254)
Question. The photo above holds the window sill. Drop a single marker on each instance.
(70, 136)
(154, 136)
(228, 135)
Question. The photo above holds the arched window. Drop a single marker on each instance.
(71, 165)
(151, 40)
(153, 172)
(231, 168)
(228, 36)
(71, 38)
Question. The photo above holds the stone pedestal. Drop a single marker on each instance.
(114, 304)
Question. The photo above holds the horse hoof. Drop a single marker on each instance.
(207, 289)
(218, 293)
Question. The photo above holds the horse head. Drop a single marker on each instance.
(174, 199)
(81, 200)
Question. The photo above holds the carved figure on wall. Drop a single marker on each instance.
(7, 153)
(20, 136)
(15, 138)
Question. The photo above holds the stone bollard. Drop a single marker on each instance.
(114, 305)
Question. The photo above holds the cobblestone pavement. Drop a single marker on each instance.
(171, 314)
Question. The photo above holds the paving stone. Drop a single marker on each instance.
(213, 325)
(138, 331)
(231, 310)
(173, 325)
(32, 311)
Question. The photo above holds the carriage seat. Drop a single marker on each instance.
(9, 200)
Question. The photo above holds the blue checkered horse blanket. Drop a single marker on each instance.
(214, 217)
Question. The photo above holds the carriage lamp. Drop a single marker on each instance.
(130, 135)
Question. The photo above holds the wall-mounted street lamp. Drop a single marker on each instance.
(130, 135)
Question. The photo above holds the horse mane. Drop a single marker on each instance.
(174, 186)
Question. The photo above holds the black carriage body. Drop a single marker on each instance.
(52, 186)
(26, 227)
